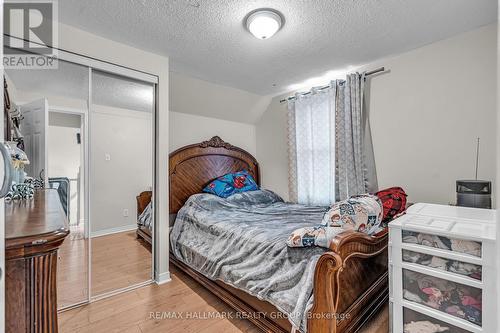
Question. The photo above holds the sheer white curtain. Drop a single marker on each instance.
(312, 155)
(329, 140)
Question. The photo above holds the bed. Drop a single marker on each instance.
(348, 283)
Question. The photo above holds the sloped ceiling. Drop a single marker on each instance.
(206, 39)
(194, 96)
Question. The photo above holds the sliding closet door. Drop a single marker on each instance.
(121, 170)
(51, 107)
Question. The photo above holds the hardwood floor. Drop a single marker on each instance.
(118, 261)
(72, 276)
(141, 311)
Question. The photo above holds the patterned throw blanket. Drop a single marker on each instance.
(241, 241)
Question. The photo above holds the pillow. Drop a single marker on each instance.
(259, 197)
(393, 200)
(232, 183)
(359, 213)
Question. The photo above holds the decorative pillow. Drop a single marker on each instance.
(232, 183)
(393, 200)
(360, 213)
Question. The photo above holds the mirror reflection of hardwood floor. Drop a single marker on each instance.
(72, 270)
(118, 260)
(131, 312)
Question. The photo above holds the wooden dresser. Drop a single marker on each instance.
(34, 230)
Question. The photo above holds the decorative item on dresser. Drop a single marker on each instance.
(442, 270)
(34, 230)
(350, 280)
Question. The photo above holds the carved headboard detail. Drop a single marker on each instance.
(192, 167)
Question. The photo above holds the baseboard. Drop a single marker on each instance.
(115, 230)
(163, 278)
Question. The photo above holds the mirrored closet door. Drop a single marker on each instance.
(49, 127)
(121, 182)
(89, 137)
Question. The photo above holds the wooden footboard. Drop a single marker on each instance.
(350, 283)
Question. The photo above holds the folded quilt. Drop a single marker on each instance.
(361, 213)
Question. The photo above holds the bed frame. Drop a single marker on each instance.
(350, 280)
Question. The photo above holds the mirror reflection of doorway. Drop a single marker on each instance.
(66, 148)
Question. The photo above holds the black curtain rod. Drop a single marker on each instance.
(375, 71)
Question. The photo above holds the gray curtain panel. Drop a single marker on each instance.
(292, 153)
(354, 165)
(356, 172)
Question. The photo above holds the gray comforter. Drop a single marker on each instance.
(146, 217)
(241, 241)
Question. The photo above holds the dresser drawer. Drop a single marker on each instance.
(448, 265)
(415, 322)
(457, 245)
(451, 298)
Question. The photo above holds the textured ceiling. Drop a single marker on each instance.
(206, 38)
(71, 81)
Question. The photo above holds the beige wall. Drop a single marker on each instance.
(114, 183)
(271, 133)
(426, 114)
(187, 129)
(197, 97)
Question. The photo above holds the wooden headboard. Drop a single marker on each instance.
(192, 167)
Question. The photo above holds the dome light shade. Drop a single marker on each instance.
(264, 23)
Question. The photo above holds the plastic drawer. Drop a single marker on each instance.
(448, 265)
(472, 248)
(415, 322)
(449, 297)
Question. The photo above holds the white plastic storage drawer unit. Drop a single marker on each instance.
(442, 270)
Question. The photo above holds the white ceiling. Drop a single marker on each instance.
(207, 39)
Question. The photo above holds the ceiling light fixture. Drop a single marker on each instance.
(264, 23)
